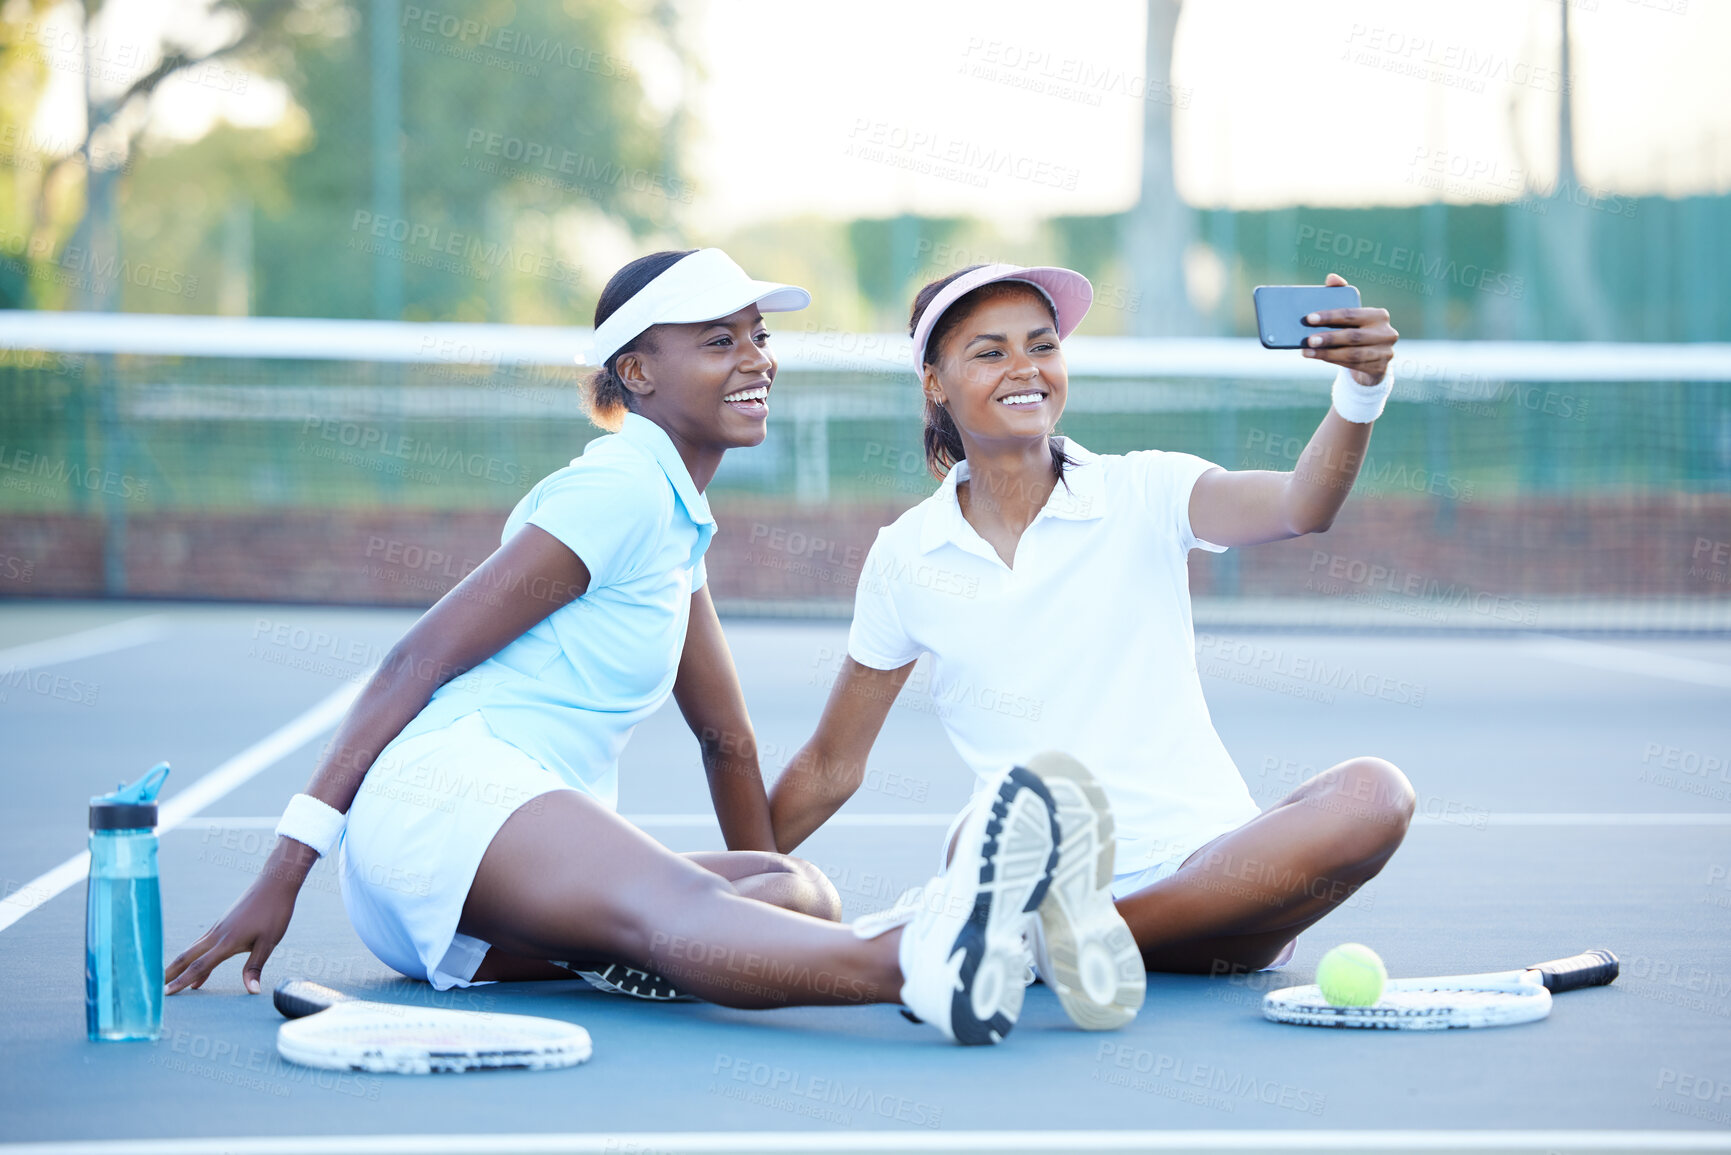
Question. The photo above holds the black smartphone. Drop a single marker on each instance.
(1281, 310)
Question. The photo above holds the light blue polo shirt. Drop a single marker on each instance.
(570, 691)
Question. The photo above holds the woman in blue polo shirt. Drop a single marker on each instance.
(1049, 584)
(478, 767)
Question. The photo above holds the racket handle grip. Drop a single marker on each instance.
(1593, 968)
(298, 998)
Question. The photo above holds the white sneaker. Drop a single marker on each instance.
(1082, 947)
(902, 912)
(869, 926)
(962, 956)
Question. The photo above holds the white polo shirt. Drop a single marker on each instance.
(1085, 646)
(571, 689)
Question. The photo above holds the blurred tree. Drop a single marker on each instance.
(803, 251)
(513, 125)
(894, 256)
(72, 236)
(518, 120)
(1560, 237)
(23, 74)
(187, 213)
(1161, 227)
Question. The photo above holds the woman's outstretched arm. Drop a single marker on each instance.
(709, 696)
(1248, 507)
(526, 579)
(829, 768)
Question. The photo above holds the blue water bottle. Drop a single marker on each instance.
(123, 914)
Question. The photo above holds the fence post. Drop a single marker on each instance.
(112, 452)
(810, 447)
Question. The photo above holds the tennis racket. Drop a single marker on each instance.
(331, 1030)
(1490, 1000)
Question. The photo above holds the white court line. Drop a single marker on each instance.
(252, 822)
(84, 644)
(1491, 818)
(261, 755)
(1623, 660)
(859, 1143)
(1635, 818)
(703, 818)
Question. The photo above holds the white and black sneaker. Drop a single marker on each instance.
(634, 982)
(962, 956)
(1082, 947)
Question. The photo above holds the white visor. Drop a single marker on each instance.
(703, 286)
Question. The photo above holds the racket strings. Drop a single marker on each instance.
(1427, 996)
(387, 1039)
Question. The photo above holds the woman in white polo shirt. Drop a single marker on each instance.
(1049, 584)
(477, 769)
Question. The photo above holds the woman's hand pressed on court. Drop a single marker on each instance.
(523, 581)
(255, 923)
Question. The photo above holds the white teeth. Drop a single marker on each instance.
(755, 394)
(1021, 399)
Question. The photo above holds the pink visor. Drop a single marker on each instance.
(1068, 290)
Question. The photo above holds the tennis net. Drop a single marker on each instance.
(1510, 486)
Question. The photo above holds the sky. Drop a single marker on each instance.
(1274, 102)
(1014, 110)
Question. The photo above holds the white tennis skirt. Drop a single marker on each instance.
(425, 814)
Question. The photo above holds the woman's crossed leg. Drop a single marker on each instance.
(572, 880)
(1235, 903)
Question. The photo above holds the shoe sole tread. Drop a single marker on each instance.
(1069, 932)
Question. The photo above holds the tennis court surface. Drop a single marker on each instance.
(1574, 792)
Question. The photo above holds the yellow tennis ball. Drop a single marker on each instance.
(1351, 975)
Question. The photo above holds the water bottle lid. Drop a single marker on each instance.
(130, 806)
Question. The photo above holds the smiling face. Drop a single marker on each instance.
(706, 383)
(999, 370)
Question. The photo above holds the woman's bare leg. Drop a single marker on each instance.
(1239, 900)
(571, 879)
(778, 879)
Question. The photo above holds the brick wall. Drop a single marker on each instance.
(1665, 545)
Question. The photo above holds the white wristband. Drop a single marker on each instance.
(1360, 404)
(309, 821)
